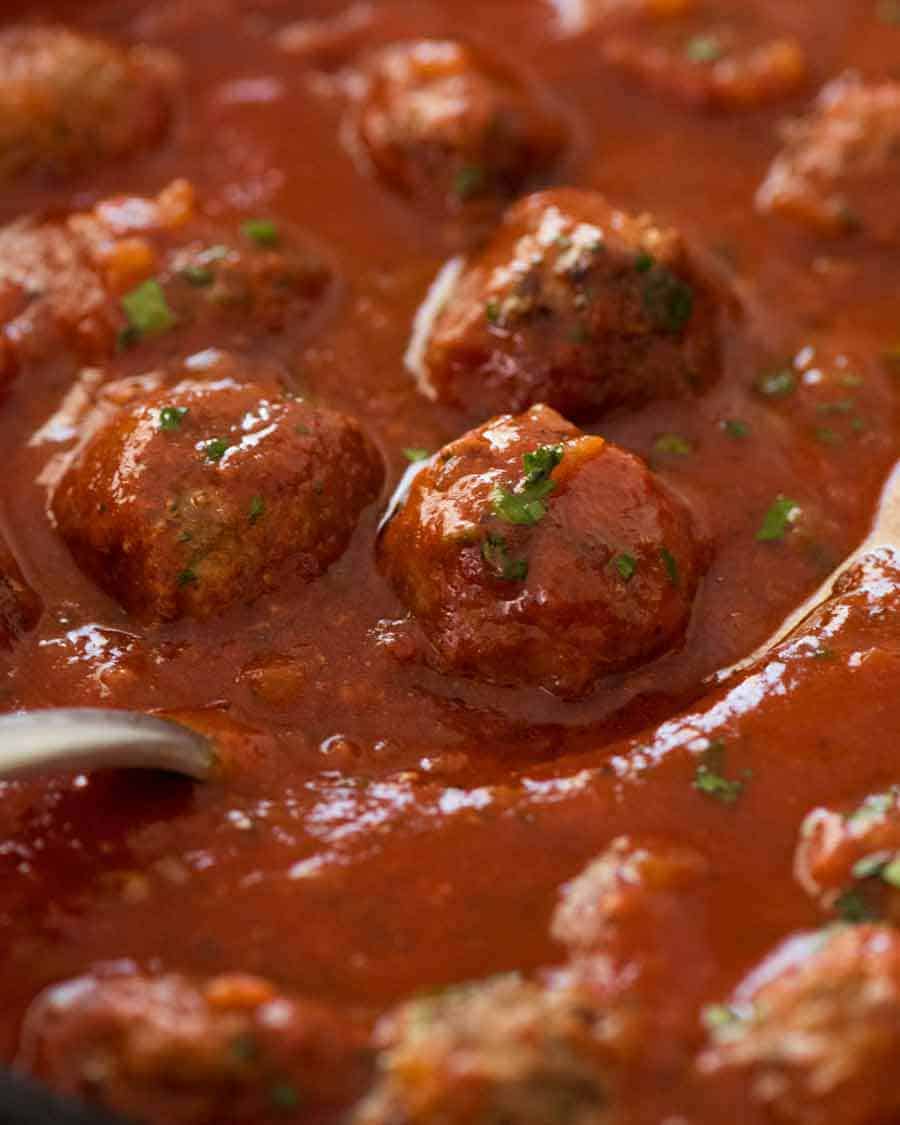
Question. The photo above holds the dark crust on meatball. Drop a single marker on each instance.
(601, 581)
(578, 305)
(198, 496)
(445, 123)
(69, 100)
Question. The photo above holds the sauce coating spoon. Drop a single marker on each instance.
(84, 739)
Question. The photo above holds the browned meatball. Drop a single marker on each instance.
(502, 1050)
(840, 170)
(850, 861)
(714, 55)
(531, 553)
(20, 607)
(818, 1041)
(198, 496)
(173, 1050)
(136, 272)
(68, 100)
(575, 304)
(448, 125)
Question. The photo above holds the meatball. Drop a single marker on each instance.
(20, 607)
(531, 553)
(500, 1050)
(575, 304)
(169, 1049)
(447, 125)
(134, 272)
(68, 100)
(817, 1041)
(701, 55)
(195, 497)
(850, 861)
(840, 167)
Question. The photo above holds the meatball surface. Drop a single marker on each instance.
(531, 553)
(818, 1041)
(196, 497)
(136, 272)
(839, 170)
(711, 55)
(448, 125)
(20, 607)
(169, 1048)
(575, 304)
(69, 100)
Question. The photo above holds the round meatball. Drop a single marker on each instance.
(575, 304)
(839, 171)
(447, 125)
(499, 1050)
(138, 272)
(818, 1041)
(710, 55)
(531, 553)
(69, 100)
(20, 607)
(197, 496)
(169, 1049)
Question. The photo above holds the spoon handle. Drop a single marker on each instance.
(77, 739)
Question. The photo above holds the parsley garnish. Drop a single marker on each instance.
(704, 49)
(284, 1096)
(853, 907)
(671, 565)
(170, 417)
(626, 565)
(777, 384)
(186, 577)
(735, 428)
(261, 231)
(888, 11)
(469, 181)
(668, 301)
(257, 509)
(492, 312)
(674, 444)
(710, 779)
(525, 504)
(414, 453)
(215, 449)
(495, 552)
(198, 275)
(873, 809)
(147, 310)
(778, 520)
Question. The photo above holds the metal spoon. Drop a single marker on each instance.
(82, 738)
(885, 533)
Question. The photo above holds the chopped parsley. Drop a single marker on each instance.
(735, 428)
(495, 552)
(492, 311)
(711, 780)
(469, 181)
(261, 231)
(414, 453)
(674, 444)
(777, 384)
(215, 449)
(626, 565)
(170, 417)
(670, 563)
(525, 503)
(888, 11)
(198, 275)
(284, 1096)
(643, 263)
(668, 301)
(147, 310)
(187, 577)
(853, 907)
(257, 509)
(873, 809)
(825, 435)
(704, 49)
(778, 520)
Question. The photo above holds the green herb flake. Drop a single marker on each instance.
(825, 435)
(244, 1048)
(147, 310)
(890, 873)
(127, 338)
(541, 462)
(414, 453)
(644, 262)
(873, 809)
(710, 779)
(626, 565)
(469, 181)
(261, 231)
(888, 11)
(852, 907)
(717, 1016)
(187, 577)
(668, 301)
(735, 428)
(284, 1096)
(525, 503)
(215, 449)
(777, 384)
(257, 509)
(170, 417)
(871, 865)
(673, 444)
(778, 520)
(198, 275)
(704, 49)
(492, 312)
(495, 552)
(670, 563)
